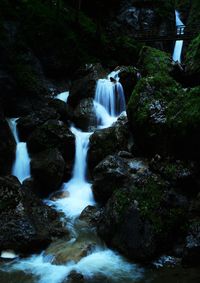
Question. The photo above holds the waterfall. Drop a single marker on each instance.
(77, 194)
(21, 165)
(179, 43)
(63, 96)
(110, 94)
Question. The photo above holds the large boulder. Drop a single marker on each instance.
(109, 141)
(84, 86)
(84, 115)
(53, 134)
(27, 224)
(27, 124)
(47, 169)
(7, 147)
(116, 172)
(165, 118)
(144, 219)
(64, 110)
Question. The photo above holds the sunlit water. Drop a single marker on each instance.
(21, 165)
(179, 43)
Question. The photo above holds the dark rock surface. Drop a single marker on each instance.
(7, 147)
(47, 169)
(108, 141)
(27, 225)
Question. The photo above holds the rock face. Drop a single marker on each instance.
(26, 125)
(84, 86)
(47, 169)
(116, 172)
(84, 115)
(7, 147)
(144, 218)
(27, 225)
(53, 134)
(108, 141)
(161, 113)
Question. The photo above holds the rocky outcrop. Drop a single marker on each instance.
(143, 219)
(27, 224)
(109, 141)
(116, 172)
(84, 86)
(53, 134)
(47, 169)
(27, 124)
(7, 147)
(84, 115)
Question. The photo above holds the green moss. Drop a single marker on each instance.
(153, 61)
(193, 55)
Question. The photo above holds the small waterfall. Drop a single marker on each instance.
(63, 96)
(110, 94)
(21, 166)
(78, 189)
(179, 43)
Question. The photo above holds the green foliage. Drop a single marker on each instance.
(193, 55)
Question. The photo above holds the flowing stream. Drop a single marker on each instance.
(179, 43)
(21, 166)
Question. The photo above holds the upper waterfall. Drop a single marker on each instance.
(179, 43)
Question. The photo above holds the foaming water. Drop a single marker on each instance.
(80, 193)
(104, 120)
(179, 43)
(21, 165)
(63, 96)
(104, 263)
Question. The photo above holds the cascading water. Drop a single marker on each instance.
(63, 96)
(101, 261)
(110, 94)
(179, 43)
(21, 166)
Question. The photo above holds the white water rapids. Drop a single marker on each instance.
(179, 43)
(108, 104)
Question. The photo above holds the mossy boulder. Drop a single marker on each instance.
(164, 117)
(143, 221)
(154, 61)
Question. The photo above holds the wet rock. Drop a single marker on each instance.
(47, 169)
(90, 215)
(74, 277)
(116, 172)
(53, 134)
(27, 124)
(143, 217)
(7, 147)
(84, 86)
(63, 109)
(64, 252)
(109, 141)
(191, 254)
(27, 224)
(84, 115)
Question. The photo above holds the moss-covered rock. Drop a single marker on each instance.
(143, 221)
(164, 117)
